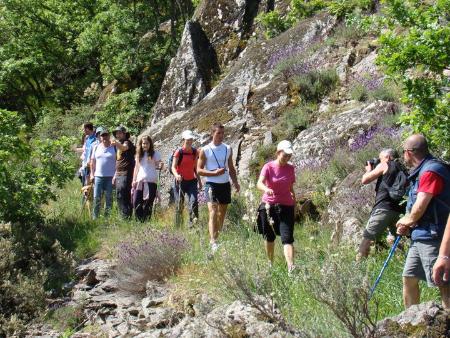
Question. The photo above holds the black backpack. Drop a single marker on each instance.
(180, 157)
(400, 185)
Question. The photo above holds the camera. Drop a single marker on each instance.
(374, 162)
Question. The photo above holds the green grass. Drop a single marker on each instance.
(240, 257)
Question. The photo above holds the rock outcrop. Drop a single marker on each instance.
(423, 320)
(190, 74)
(115, 313)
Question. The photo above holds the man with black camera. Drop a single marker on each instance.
(386, 211)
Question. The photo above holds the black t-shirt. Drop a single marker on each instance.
(125, 159)
(382, 198)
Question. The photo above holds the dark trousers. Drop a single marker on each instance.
(190, 189)
(123, 190)
(143, 208)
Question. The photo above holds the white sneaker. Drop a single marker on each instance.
(214, 247)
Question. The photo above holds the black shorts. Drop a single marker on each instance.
(283, 222)
(218, 192)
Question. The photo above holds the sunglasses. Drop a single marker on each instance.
(405, 150)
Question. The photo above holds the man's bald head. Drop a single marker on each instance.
(418, 144)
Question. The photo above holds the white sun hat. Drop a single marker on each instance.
(188, 135)
(285, 146)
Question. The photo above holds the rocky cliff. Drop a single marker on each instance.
(225, 71)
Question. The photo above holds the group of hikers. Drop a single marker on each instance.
(133, 171)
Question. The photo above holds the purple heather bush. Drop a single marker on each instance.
(370, 81)
(291, 52)
(148, 255)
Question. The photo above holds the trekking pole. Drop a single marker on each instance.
(391, 253)
(178, 206)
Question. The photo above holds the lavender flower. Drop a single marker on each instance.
(151, 255)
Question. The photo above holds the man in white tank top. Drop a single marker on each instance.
(216, 164)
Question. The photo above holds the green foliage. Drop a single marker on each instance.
(417, 56)
(339, 274)
(359, 93)
(29, 170)
(21, 296)
(314, 85)
(56, 123)
(292, 122)
(124, 109)
(51, 51)
(388, 92)
(302, 9)
(273, 23)
(67, 318)
(341, 8)
(262, 155)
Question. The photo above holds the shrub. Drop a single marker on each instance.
(262, 155)
(124, 109)
(21, 296)
(314, 85)
(30, 169)
(341, 8)
(67, 318)
(294, 121)
(148, 255)
(56, 123)
(341, 284)
(359, 93)
(273, 23)
(417, 55)
(387, 92)
(302, 9)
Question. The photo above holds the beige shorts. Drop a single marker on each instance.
(379, 221)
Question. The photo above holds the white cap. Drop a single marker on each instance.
(285, 146)
(188, 135)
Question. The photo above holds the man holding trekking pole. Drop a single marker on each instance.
(184, 168)
(425, 221)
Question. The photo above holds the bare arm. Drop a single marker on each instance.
(120, 146)
(92, 164)
(417, 211)
(232, 169)
(201, 167)
(441, 269)
(262, 186)
(135, 172)
(291, 189)
(174, 169)
(372, 175)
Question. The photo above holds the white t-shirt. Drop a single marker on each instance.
(147, 168)
(217, 157)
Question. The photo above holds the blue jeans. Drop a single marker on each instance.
(190, 189)
(102, 184)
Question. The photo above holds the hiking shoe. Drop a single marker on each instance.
(214, 247)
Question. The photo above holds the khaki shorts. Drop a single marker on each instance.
(420, 260)
(379, 221)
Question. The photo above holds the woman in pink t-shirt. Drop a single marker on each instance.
(276, 212)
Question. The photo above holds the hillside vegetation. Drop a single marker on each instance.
(67, 62)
